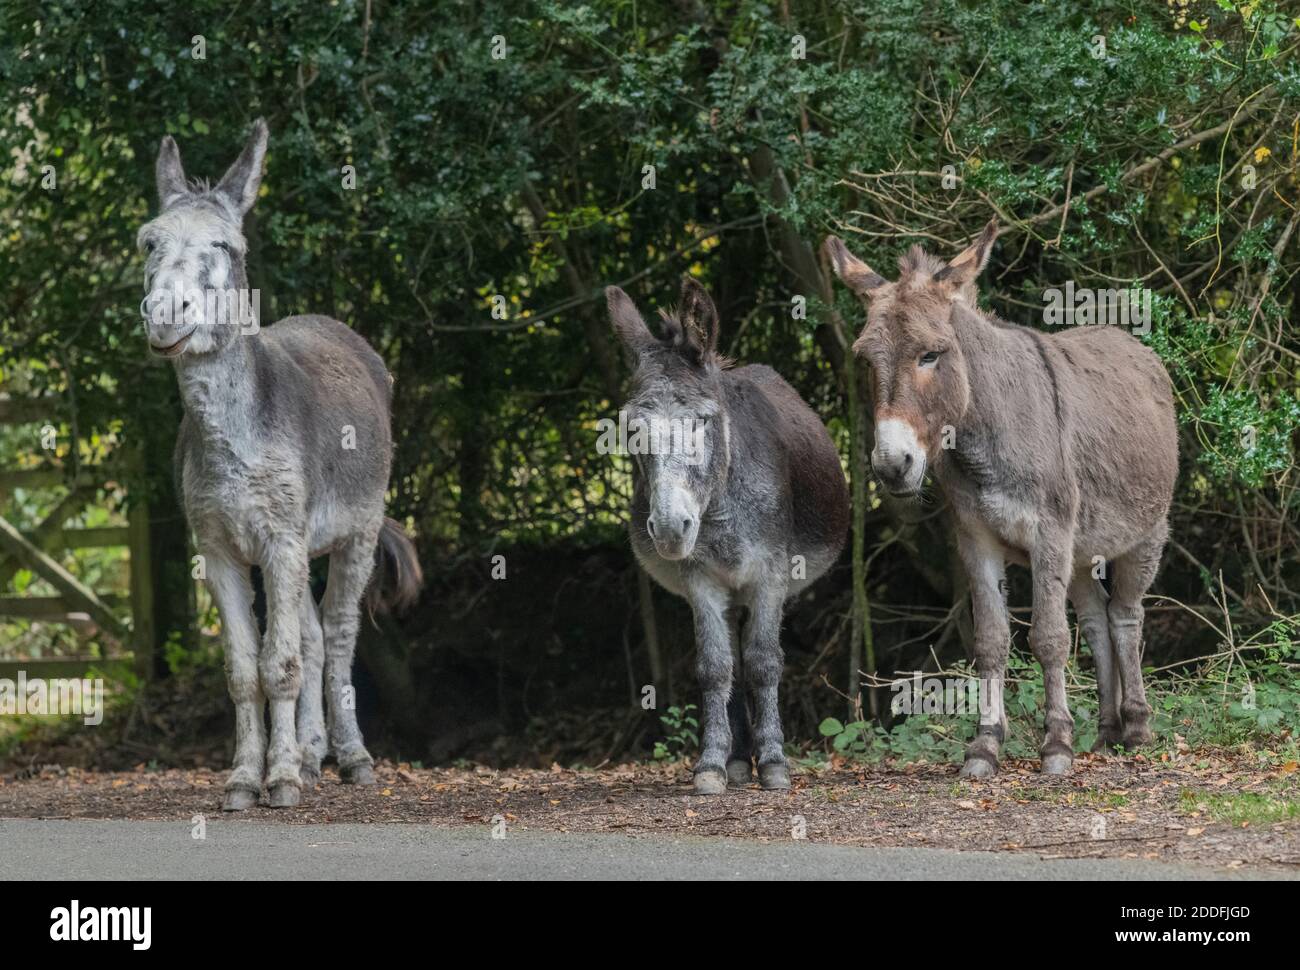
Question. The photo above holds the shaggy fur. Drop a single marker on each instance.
(1063, 457)
(761, 514)
(283, 455)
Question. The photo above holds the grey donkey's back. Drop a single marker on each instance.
(780, 431)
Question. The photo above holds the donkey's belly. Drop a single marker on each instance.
(331, 523)
(811, 567)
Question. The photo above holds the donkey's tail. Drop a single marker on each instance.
(395, 585)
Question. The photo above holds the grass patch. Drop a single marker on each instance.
(1253, 808)
(1247, 699)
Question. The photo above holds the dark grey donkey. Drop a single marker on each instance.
(283, 455)
(1057, 451)
(741, 504)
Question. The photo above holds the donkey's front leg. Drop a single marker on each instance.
(350, 568)
(232, 591)
(280, 663)
(986, 571)
(763, 662)
(740, 762)
(1049, 639)
(713, 667)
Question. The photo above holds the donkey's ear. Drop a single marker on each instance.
(967, 265)
(856, 275)
(628, 324)
(699, 319)
(241, 182)
(168, 173)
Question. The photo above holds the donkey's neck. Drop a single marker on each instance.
(991, 351)
(221, 394)
(719, 508)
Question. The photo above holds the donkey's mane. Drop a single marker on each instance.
(203, 193)
(917, 260)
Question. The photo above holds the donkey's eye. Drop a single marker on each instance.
(149, 246)
(930, 358)
(223, 246)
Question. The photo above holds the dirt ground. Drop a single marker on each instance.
(1107, 807)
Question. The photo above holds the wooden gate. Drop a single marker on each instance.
(33, 548)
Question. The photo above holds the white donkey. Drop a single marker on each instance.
(283, 455)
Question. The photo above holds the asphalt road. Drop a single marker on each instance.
(36, 849)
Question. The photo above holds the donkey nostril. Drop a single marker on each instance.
(650, 527)
(907, 461)
(686, 525)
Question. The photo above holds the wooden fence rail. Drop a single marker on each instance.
(35, 549)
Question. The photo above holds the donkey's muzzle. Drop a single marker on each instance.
(673, 534)
(898, 458)
(897, 475)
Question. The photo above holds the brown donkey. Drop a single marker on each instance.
(1056, 451)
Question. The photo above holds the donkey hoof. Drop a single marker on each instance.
(710, 781)
(285, 795)
(1057, 763)
(774, 777)
(740, 773)
(978, 768)
(1106, 743)
(239, 800)
(309, 775)
(362, 774)
(1137, 736)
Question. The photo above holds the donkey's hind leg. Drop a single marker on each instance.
(350, 568)
(763, 664)
(1133, 573)
(740, 762)
(312, 739)
(1089, 599)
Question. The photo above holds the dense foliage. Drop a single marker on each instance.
(1119, 143)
